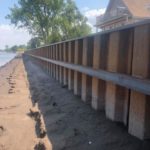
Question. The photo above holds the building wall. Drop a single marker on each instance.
(120, 23)
(116, 8)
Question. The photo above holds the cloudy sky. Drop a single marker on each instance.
(9, 35)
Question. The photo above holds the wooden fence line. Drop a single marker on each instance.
(111, 70)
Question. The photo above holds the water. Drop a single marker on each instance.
(6, 57)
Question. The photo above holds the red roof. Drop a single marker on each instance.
(138, 8)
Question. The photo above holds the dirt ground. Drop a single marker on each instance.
(36, 112)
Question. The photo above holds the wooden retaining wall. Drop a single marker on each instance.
(110, 70)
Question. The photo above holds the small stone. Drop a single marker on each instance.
(54, 104)
(90, 142)
(76, 132)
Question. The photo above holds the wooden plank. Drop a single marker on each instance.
(61, 59)
(87, 61)
(78, 61)
(56, 58)
(71, 49)
(49, 58)
(65, 75)
(98, 101)
(139, 115)
(119, 61)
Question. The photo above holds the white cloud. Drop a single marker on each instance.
(11, 36)
(91, 15)
(94, 12)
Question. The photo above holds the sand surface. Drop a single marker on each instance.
(17, 127)
(36, 112)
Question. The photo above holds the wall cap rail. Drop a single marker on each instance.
(130, 82)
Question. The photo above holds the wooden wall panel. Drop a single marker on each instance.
(87, 60)
(78, 61)
(139, 115)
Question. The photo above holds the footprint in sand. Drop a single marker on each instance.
(8, 78)
(2, 147)
(2, 130)
(11, 91)
(12, 83)
(12, 86)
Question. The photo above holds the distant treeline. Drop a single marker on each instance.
(15, 48)
(33, 43)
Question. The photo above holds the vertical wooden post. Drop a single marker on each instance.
(52, 59)
(41, 56)
(61, 59)
(51, 63)
(98, 97)
(56, 58)
(78, 61)
(65, 54)
(43, 60)
(120, 61)
(49, 58)
(46, 51)
(44, 57)
(139, 114)
(71, 47)
(87, 61)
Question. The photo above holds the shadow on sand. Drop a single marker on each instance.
(72, 124)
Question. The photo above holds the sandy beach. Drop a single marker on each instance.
(37, 113)
(17, 126)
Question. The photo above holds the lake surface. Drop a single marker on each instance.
(6, 57)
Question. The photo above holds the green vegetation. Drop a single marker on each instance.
(33, 43)
(49, 20)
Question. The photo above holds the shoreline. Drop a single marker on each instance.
(2, 66)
